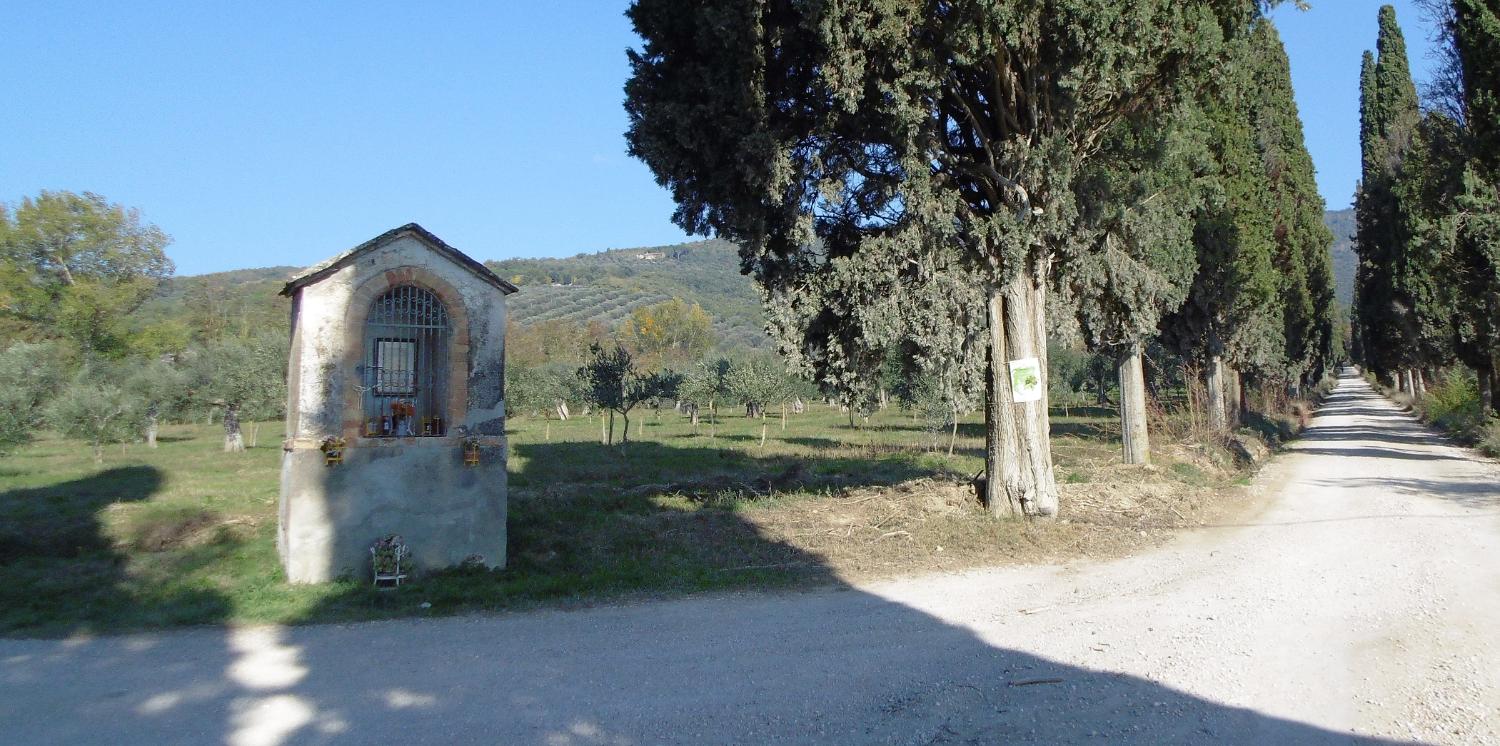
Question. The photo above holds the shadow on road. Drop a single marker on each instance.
(1471, 493)
(836, 665)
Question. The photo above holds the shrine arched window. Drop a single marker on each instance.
(405, 371)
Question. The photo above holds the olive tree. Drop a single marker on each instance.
(93, 410)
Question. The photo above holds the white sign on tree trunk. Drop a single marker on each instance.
(1026, 380)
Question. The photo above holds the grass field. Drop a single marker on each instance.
(184, 534)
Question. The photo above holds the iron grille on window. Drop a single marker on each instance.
(406, 364)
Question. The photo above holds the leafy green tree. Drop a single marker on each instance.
(155, 388)
(704, 386)
(540, 389)
(243, 378)
(856, 149)
(74, 266)
(527, 391)
(94, 411)
(673, 331)
(1449, 210)
(30, 376)
(1475, 41)
(761, 382)
(1426, 186)
(612, 381)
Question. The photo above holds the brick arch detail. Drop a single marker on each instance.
(354, 341)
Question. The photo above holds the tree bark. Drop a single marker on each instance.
(1134, 435)
(1018, 459)
(1486, 391)
(953, 434)
(1218, 413)
(153, 426)
(1418, 382)
(234, 441)
(1495, 385)
(1235, 398)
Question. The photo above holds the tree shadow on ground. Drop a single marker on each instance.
(1373, 452)
(1480, 492)
(839, 664)
(1107, 431)
(1350, 433)
(57, 562)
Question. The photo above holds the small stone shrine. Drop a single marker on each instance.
(395, 409)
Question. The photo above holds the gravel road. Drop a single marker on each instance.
(1359, 605)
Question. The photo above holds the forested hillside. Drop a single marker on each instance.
(608, 285)
(237, 300)
(1345, 261)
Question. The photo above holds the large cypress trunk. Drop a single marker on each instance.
(1218, 412)
(1134, 435)
(1018, 459)
(234, 441)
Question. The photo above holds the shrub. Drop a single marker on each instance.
(30, 375)
(1489, 438)
(1453, 405)
(92, 411)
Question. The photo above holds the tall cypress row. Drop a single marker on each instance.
(1232, 320)
(1476, 254)
(1477, 36)
(1136, 207)
(849, 146)
(1389, 115)
(1302, 238)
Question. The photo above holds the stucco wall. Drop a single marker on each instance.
(416, 487)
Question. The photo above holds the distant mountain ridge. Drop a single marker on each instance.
(1345, 261)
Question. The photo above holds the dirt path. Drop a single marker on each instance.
(1361, 604)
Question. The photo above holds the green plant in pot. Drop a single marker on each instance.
(387, 555)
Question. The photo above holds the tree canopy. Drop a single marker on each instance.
(855, 150)
(74, 265)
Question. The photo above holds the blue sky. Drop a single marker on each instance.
(272, 133)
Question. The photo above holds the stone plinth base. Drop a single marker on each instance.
(416, 487)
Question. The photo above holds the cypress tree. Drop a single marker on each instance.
(848, 146)
(1473, 36)
(1136, 215)
(1388, 280)
(1302, 238)
(1477, 38)
(1232, 321)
